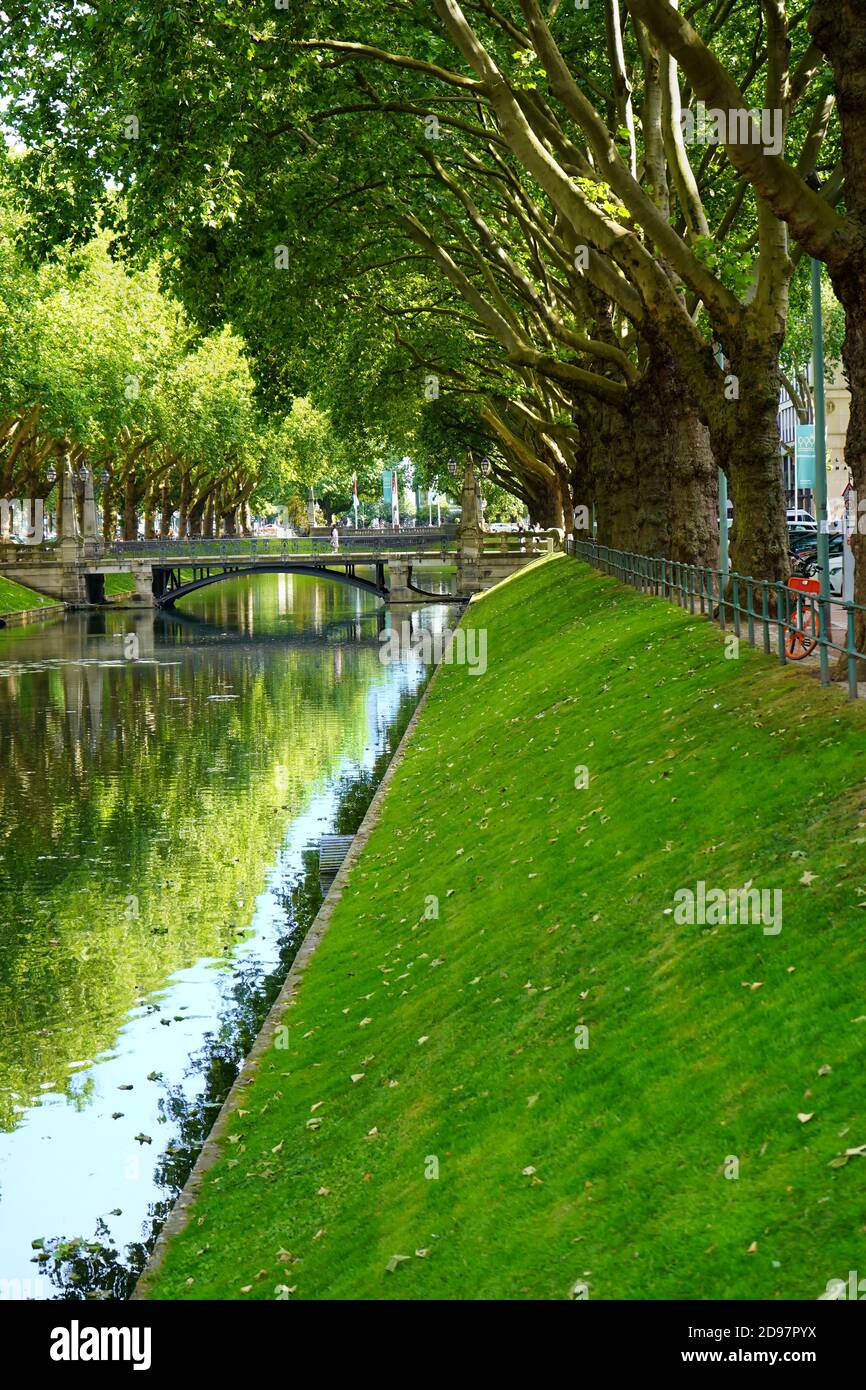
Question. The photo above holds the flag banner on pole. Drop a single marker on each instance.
(805, 455)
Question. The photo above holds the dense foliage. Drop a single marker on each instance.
(507, 231)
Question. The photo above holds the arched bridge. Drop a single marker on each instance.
(172, 582)
(382, 564)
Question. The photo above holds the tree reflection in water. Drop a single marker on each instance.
(95, 1268)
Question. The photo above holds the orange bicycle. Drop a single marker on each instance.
(802, 626)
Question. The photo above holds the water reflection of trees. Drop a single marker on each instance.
(139, 816)
(95, 1269)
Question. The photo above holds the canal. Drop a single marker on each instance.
(160, 804)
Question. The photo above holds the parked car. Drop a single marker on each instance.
(797, 516)
(805, 547)
(802, 538)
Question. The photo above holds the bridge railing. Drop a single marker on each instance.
(17, 552)
(227, 547)
(523, 542)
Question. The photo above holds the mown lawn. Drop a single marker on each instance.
(119, 585)
(14, 598)
(425, 1045)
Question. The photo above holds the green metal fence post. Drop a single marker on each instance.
(851, 652)
(782, 592)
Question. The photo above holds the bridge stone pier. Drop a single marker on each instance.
(400, 576)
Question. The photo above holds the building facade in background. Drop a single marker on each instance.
(838, 409)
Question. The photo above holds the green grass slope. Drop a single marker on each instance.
(119, 585)
(423, 1045)
(14, 598)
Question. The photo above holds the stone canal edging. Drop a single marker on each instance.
(32, 615)
(180, 1213)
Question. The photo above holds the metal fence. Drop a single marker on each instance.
(780, 616)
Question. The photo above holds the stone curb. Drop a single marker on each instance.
(32, 615)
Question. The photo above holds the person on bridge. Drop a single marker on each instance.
(335, 537)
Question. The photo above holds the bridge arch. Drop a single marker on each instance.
(167, 594)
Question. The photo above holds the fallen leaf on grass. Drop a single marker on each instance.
(395, 1262)
(803, 1116)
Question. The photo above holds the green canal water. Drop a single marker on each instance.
(158, 824)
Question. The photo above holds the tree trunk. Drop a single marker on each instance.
(196, 512)
(614, 480)
(688, 459)
(694, 493)
(746, 439)
(130, 510)
(545, 507)
(230, 522)
(208, 528)
(565, 496)
(109, 511)
(165, 513)
(654, 472)
(185, 499)
(150, 522)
